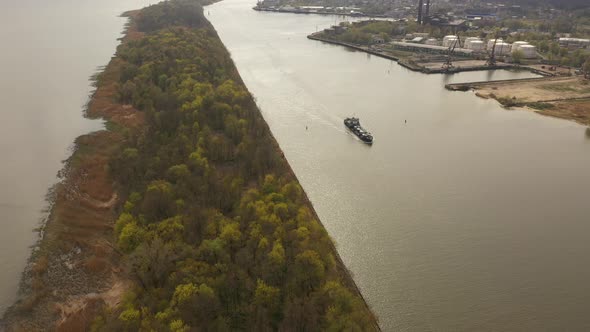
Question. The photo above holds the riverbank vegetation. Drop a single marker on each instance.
(216, 233)
(361, 33)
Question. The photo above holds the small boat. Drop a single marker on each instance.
(355, 126)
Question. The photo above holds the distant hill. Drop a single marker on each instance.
(557, 3)
(566, 3)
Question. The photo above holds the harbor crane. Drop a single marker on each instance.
(448, 65)
(492, 59)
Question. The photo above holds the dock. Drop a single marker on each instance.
(315, 11)
(426, 68)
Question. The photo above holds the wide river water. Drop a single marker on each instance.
(49, 51)
(468, 217)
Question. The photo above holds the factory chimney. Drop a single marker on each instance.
(420, 5)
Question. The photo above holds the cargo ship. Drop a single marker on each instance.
(355, 126)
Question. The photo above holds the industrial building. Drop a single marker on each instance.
(430, 48)
(574, 42)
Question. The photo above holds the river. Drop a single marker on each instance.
(468, 217)
(50, 51)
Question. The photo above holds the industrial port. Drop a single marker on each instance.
(560, 91)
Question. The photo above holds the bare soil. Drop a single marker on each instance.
(560, 97)
(551, 89)
(552, 70)
(575, 110)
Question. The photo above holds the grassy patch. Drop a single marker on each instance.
(567, 87)
(541, 106)
(558, 87)
(398, 53)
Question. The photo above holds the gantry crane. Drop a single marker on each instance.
(449, 61)
(492, 59)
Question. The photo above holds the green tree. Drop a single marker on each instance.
(130, 237)
(151, 263)
(517, 56)
(266, 305)
(309, 270)
(158, 202)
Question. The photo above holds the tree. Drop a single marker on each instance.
(151, 263)
(158, 202)
(266, 305)
(231, 235)
(517, 56)
(309, 270)
(197, 305)
(130, 237)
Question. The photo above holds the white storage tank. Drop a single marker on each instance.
(449, 37)
(476, 45)
(502, 49)
(451, 42)
(468, 41)
(433, 42)
(528, 51)
(491, 42)
(516, 45)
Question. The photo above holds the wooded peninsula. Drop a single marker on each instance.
(183, 215)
